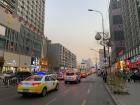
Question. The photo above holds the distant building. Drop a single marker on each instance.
(59, 56)
(86, 64)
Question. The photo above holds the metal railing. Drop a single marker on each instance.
(8, 82)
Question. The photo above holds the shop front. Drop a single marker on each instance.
(24, 63)
(44, 64)
(11, 62)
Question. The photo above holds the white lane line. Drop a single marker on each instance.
(51, 101)
(88, 91)
(54, 99)
(84, 102)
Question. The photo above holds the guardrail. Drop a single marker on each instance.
(8, 82)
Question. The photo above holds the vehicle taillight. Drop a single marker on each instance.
(35, 84)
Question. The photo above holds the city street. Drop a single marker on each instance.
(91, 91)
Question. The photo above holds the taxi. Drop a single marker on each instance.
(38, 84)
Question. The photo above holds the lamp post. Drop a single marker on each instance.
(98, 36)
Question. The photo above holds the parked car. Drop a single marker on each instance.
(7, 75)
(38, 84)
(22, 75)
(136, 75)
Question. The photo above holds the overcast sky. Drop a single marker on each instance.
(70, 23)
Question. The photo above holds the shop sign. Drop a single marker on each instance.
(34, 61)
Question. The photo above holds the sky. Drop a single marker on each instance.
(70, 23)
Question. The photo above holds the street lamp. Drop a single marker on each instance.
(98, 36)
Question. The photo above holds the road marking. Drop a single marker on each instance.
(50, 101)
(88, 91)
(84, 102)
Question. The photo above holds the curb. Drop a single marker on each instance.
(112, 96)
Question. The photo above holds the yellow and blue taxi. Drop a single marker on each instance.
(38, 84)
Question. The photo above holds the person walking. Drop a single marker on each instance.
(105, 76)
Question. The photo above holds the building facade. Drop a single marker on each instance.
(21, 30)
(116, 30)
(59, 56)
(131, 24)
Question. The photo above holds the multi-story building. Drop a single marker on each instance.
(59, 56)
(22, 28)
(116, 30)
(131, 24)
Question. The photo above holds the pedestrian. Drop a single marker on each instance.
(128, 76)
(133, 75)
(105, 76)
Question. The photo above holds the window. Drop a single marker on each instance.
(118, 35)
(47, 78)
(117, 19)
(34, 78)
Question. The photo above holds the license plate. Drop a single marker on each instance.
(69, 77)
(26, 85)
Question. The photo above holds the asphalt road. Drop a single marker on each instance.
(91, 91)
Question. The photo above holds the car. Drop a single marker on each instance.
(21, 75)
(83, 75)
(136, 76)
(60, 76)
(37, 84)
(72, 77)
(54, 76)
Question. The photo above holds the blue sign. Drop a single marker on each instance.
(41, 73)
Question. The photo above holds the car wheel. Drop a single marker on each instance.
(65, 82)
(44, 92)
(57, 87)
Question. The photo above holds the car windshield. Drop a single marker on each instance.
(34, 78)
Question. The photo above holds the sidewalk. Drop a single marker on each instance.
(132, 99)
